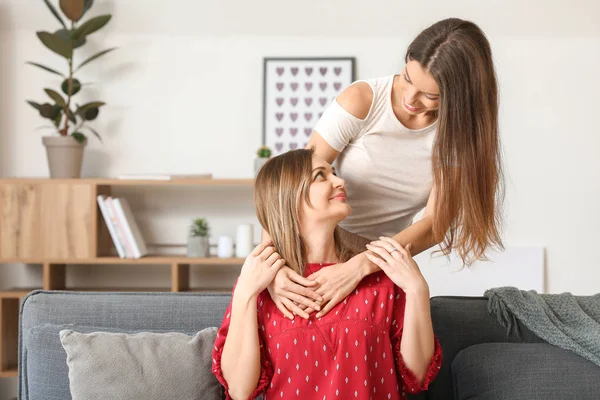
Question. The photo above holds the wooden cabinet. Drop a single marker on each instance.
(46, 220)
(56, 222)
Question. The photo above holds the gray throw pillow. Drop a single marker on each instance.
(146, 365)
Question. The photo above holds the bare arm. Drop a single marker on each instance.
(241, 353)
(418, 235)
(417, 343)
(412, 309)
(356, 99)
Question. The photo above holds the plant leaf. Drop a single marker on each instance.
(80, 137)
(73, 9)
(34, 104)
(45, 68)
(58, 99)
(56, 44)
(82, 109)
(68, 37)
(46, 111)
(57, 120)
(79, 43)
(91, 26)
(72, 117)
(91, 114)
(56, 111)
(94, 132)
(55, 13)
(75, 87)
(87, 4)
(92, 58)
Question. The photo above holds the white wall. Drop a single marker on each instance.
(188, 75)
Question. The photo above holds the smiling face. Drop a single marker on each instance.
(298, 193)
(420, 92)
(326, 200)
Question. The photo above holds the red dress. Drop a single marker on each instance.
(352, 352)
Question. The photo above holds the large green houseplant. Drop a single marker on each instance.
(69, 119)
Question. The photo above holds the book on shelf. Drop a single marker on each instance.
(164, 177)
(122, 227)
(111, 223)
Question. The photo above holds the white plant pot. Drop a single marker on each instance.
(197, 246)
(65, 156)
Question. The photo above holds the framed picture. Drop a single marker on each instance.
(295, 94)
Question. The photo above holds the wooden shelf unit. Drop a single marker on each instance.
(57, 222)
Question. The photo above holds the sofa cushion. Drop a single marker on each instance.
(46, 365)
(43, 372)
(523, 371)
(145, 365)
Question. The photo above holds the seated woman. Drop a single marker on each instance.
(378, 343)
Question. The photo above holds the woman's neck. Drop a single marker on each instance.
(320, 245)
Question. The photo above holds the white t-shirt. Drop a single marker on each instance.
(386, 166)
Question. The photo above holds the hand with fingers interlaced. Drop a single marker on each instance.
(334, 284)
(294, 294)
(397, 263)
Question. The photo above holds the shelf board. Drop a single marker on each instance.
(14, 293)
(148, 260)
(9, 373)
(130, 182)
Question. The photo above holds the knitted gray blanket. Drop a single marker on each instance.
(567, 321)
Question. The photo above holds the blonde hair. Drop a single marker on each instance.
(280, 187)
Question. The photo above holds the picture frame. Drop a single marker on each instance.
(296, 92)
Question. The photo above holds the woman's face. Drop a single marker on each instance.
(420, 92)
(327, 195)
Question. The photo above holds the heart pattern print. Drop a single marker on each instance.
(296, 93)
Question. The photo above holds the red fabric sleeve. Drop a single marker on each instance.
(266, 372)
(410, 383)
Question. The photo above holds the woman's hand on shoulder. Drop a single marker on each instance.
(259, 268)
(293, 294)
(397, 263)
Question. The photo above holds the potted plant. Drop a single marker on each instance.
(64, 148)
(263, 154)
(198, 239)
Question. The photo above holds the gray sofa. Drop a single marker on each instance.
(480, 360)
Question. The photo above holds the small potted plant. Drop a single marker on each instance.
(198, 239)
(69, 119)
(263, 154)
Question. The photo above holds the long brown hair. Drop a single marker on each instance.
(467, 167)
(279, 189)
